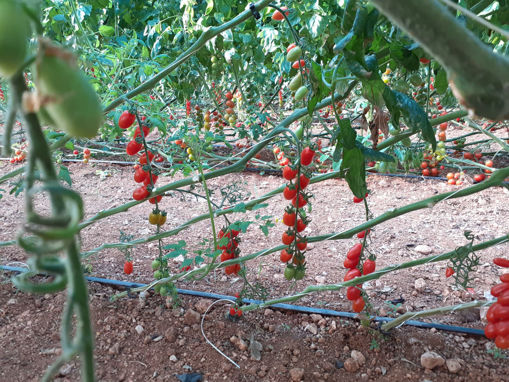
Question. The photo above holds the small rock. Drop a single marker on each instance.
(420, 284)
(171, 335)
(296, 374)
(316, 317)
(453, 365)
(430, 360)
(255, 348)
(339, 364)
(423, 249)
(139, 329)
(351, 365)
(358, 357)
(115, 349)
(401, 309)
(202, 305)
(191, 317)
(312, 328)
(11, 301)
(320, 280)
(239, 343)
(268, 312)
(173, 358)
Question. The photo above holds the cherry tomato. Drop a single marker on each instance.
(501, 262)
(126, 119)
(285, 256)
(287, 239)
(289, 219)
(289, 193)
(301, 203)
(368, 267)
(140, 175)
(133, 147)
(353, 293)
(490, 331)
(140, 193)
(354, 252)
(505, 278)
(357, 200)
(358, 305)
(303, 181)
(502, 342)
(498, 289)
(289, 173)
(154, 199)
(278, 16)
(302, 244)
(361, 235)
(300, 225)
(128, 267)
(349, 263)
(306, 156)
(299, 64)
(449, 272)
(502, 328)
(352, 273)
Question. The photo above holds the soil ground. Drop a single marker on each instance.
(295, 345)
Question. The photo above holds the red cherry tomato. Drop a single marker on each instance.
(358, 305)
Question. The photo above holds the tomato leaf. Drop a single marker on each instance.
(416, 118)
(392, 105)
(375, 155)
(404, 57)
(320, 90)
(354, 171)
(63, 174)
(441, 83)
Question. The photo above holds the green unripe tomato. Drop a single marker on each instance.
(156, 264)
(441, 144)
(72, 102)
(158, 275)
(301, 93)
(163, 291)
(294, 54)
(289, 273)
(299, 274)
(299, 132)
(14, 35)
(296, 82)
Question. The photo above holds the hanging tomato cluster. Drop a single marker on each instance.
(20, 154)
(294, 216)
(229, 243)
(352, 263)
(498, 313)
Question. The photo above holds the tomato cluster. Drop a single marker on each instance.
(2, 96)
(160, 268)
(20, 154)
(229, 243)
(294, 216)
(352, 263)
(498, 313)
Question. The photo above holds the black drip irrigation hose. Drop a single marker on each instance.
(295, 308)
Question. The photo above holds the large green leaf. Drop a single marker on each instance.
(354, 171)
(416, 118)
(441, 81)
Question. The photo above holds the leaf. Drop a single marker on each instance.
(106, 31)
(373, 91)
(265, 230)
(354, 171)
(175, 253)
(416, 118)
(258, 206)
(180, 244)
(241, 207)
(392, 105)
(346, 134)
(441, 83)
(63, 174)
(404, 57)
(320, 90)
(374, 154)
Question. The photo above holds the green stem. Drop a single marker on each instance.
(431, 312)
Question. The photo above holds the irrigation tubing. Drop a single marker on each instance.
(295, 308)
